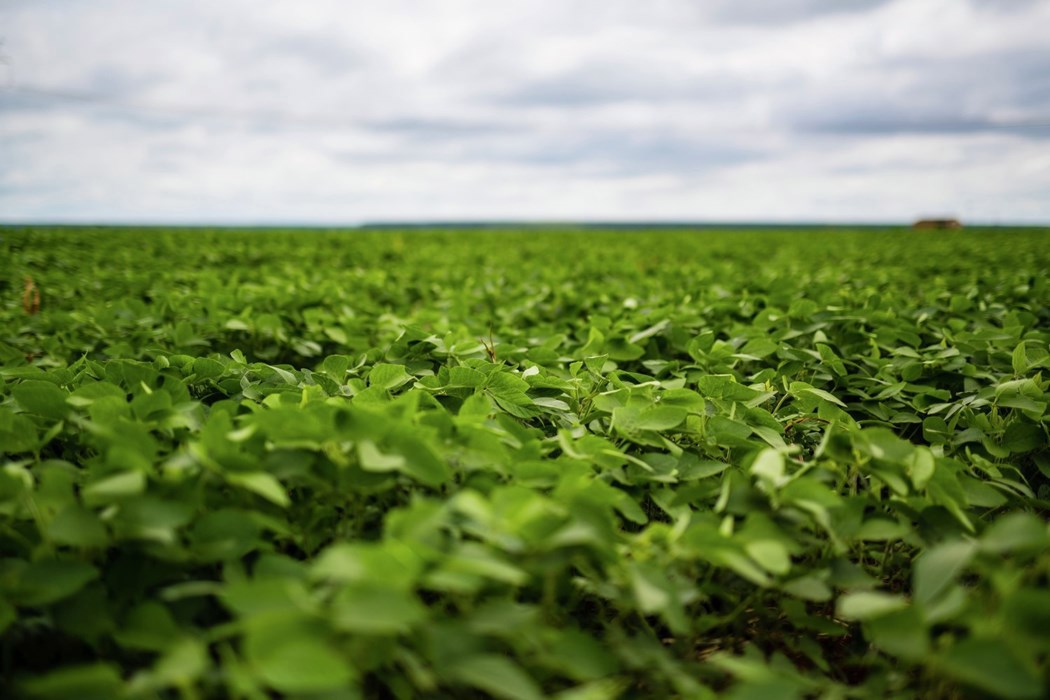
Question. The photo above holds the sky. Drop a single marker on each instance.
(336, 112)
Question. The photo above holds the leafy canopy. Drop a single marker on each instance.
(524, 464)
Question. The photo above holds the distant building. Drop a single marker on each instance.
(937, 223)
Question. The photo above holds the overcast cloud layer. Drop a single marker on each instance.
(342, 112)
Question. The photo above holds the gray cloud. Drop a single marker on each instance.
(945, 126)
(1004, 92)
(332, 112)
(760, 12)
(610, 83)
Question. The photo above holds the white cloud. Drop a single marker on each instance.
(341, 112)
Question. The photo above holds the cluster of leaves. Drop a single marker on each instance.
(583, 465)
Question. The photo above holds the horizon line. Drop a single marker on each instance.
(513, 223)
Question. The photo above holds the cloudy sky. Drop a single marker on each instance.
(343, 112)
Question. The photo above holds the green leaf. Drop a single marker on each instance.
(1023, 437)
(375, 609)
(868, 605)
(808, 588)
(151, 518)
(260, 596)
(148, 626)
(801, 388)
(1028, 611)
(604, 689)
(595, 363)
(394, 564)
(298, 663)
(1019, 359)
(769, 468)
(650, 331)
(630, 419)
(78, 527)
(651, 589)
(725, 386)
(994, 668)
(206, 368)
(99, 681)
(389, 377)
(336, 366)
(17, 434)
(114, 488)
(421, 462)
(469, 564)
(759, 347)
(373, 460)
(920, 467)
(901, 633)
(728, 432)
(261, 483)
(465, 377)
(183, 662)
(580, 656)
(497, 676)
(938, 567)
(771, 555)
(50, 580)
(42, 398)
(1015, 532)
(881, 530)
(224, 534)
(661, 418)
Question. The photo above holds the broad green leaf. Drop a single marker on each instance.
(182, 663)
(1028, 610)
(920, 467)
(224, 534)
(465, 377)
(725, 387)
(148, 626)
(582, 657)
(373, 460)
(1016, 532)
(206, 368)
(78, 527)
(808, 588)
(18, 434)
(264, 595)
(992, 666)
(769, 468)
(661, 418)
(881, 529)
(604, 689)
(388, 377)
(261, 483)
(115, 488)
(496, 675)
(50, 580)
(1019, 359)
(801, 388)
(901, 633)
(868, 605)
(100, 681)
(375, 609)
(938, 567)
(771, 555)
(393, 564)
(728, 432)
(42, 398)
(299, 664)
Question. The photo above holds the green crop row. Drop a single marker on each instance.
(520, 464)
